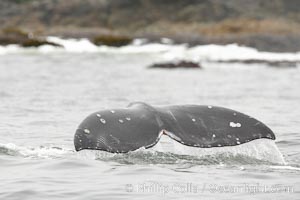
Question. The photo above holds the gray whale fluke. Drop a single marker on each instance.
(141, 125)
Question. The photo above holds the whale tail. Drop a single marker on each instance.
(141, 125)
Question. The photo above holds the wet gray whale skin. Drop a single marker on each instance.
(141, 125)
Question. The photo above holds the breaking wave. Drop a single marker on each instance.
(257, 152)
(167, 50)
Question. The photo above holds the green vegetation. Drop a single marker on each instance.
(13, 35)
(15, 31)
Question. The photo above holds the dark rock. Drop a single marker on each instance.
(276, 63)
(180, 64)
(112, 40)
(37, 43)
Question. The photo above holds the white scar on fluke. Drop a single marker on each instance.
(235, 125)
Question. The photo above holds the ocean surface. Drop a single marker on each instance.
(46, 92)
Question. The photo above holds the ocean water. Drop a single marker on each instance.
(46, 92)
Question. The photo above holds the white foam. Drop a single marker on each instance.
(11, 49)
(84, 45)
(236, 52)
(285, 167)
(94, 155)
(37, 152)
(74, 45)
(169, 51)
(261, 149)
(164, 52)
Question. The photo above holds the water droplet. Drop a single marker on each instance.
(238, 142)
(87, 131)
(237, 138)
(214, 135)
(98, 115)
(209, 107)
(234, 114)
(112, 111)
(229, 136)
(193, 120)
(128, 118)
(219, 145)
(121, 121)
(102, 121)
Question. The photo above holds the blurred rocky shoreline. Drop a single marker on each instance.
(265, 25)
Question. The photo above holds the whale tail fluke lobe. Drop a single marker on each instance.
(141, 125)
(209, 126)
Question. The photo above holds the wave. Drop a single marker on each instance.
(257, 152)
(280, 167)
(167, 50)
(34, 152)
(262, 149)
